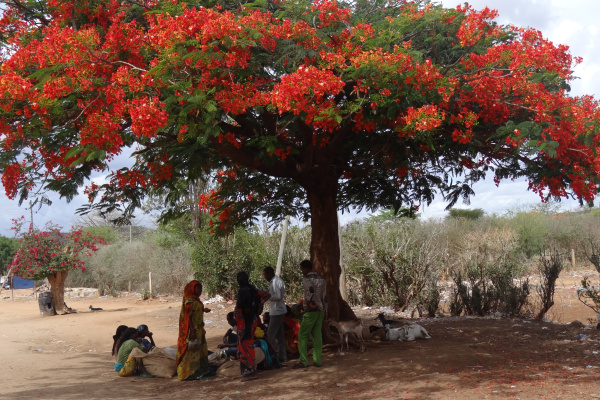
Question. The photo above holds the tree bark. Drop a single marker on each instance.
(57, 287)
(325, 248)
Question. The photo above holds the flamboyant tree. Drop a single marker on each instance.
(304, 108)
(51, 253)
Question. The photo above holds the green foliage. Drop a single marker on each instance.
(476, 213)
(533, 232)
(8, 248)
(391, 215)
(106, 233)
(124, 265)
(217, 260)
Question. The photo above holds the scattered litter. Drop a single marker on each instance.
(590, 366)
(341, 384)
(566, 341)
(364, 308)
(38, 349)
(103, 297)
(342, 353)
(217, 299)
(387, 310)
(226, 398)
(594, 352)
(545, 327)
(208, 321)
(582, 336)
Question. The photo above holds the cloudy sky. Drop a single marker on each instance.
(574, 23)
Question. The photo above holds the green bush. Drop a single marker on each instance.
(472, 214)
(217, 260)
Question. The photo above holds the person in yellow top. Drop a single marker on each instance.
(192, 350)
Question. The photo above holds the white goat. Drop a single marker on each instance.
(406, 333)
(345, 328)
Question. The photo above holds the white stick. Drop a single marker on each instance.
(282, 245)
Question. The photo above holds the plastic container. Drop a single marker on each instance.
(45, 303)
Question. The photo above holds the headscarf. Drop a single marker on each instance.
(116, 338)
(189, 296)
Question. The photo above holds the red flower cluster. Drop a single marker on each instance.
(43, 253)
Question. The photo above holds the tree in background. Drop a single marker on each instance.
(51, 254)
(466, 213)
(8, 247)
(303, 107)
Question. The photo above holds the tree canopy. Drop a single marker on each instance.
(298, 107)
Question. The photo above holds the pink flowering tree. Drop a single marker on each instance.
(51, 254)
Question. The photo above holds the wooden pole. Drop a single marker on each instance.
(150, 282)
(286, 222)
(573, 258)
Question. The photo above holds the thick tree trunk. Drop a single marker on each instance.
(57, 287)
(325, 248)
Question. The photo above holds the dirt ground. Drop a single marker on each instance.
(68, 357)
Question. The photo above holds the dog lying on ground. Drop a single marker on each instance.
(406, 333)
(95, 309)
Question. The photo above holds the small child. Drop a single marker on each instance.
(230, 339)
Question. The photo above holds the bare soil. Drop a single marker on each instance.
(68, 357)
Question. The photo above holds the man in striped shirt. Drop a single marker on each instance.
(315, 306)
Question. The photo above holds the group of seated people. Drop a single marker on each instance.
(291, 328)
(125, 340)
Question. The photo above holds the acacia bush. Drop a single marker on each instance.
(487, 267)
(392, 262)
(487, 288)
(125, 265)
(550, 265)
(487, 263)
